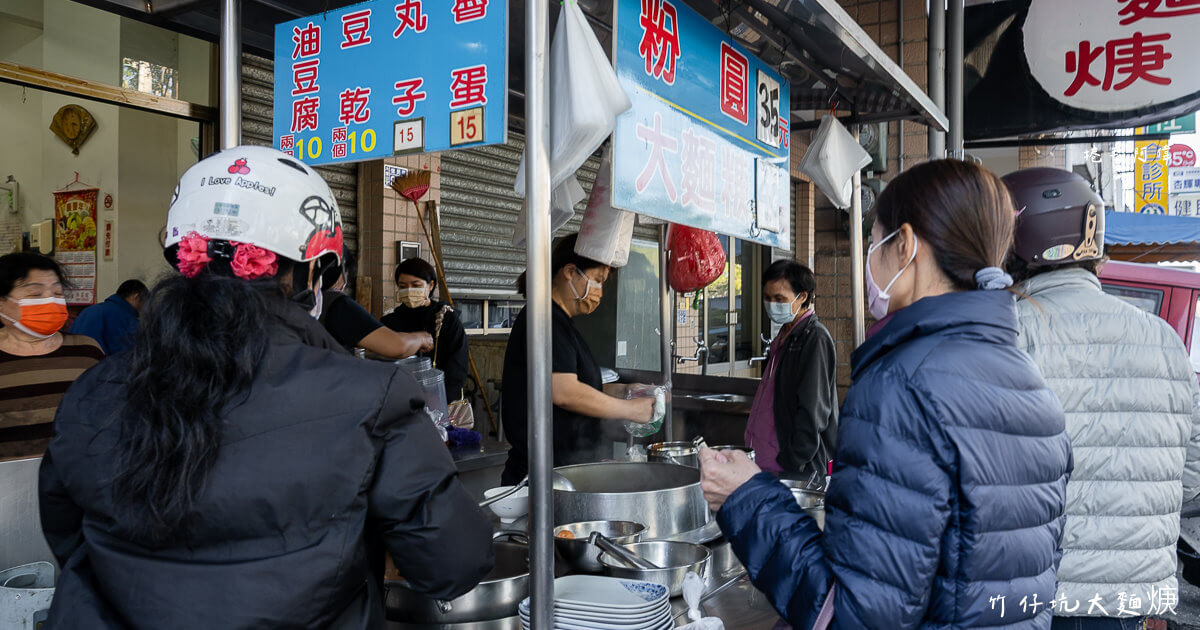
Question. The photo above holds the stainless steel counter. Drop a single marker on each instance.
(730, 597)
(487, 455)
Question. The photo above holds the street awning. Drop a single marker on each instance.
(1151, 237)
(828, 58)
(815, 44)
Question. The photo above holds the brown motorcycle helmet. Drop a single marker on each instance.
(1060, 219)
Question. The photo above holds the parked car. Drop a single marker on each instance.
(1171, 293)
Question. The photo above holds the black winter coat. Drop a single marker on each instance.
(327, 458)
(806, 401)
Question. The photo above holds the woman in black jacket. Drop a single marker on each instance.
(793, 423)
(417, 311)
(236, 468)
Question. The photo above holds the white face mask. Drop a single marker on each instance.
(780, 312)
(879, 300)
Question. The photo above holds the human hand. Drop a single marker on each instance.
(426, 340)
(723, 472)
(641, 410)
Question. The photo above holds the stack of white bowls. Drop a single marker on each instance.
(592, 602)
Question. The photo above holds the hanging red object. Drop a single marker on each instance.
(697, 259)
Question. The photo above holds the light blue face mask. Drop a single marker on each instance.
(780, 312)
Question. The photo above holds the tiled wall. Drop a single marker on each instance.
(831, 247)
(388, 218)
(1049, 157)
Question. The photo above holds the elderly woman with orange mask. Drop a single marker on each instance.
(37, 361)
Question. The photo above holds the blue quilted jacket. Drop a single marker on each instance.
(946, 506)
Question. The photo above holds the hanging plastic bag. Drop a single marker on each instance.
(832, 160)
(606, 232)
(697, 259)
(585, 100)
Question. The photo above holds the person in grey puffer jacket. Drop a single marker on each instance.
(1130, 396)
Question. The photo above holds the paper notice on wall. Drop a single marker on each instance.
(80, 271)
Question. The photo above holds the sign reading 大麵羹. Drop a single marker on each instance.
(383, 78)
(706, 143)
(1116, 55)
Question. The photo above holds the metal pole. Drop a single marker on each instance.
(954, 59)
(857, 316)
(900, 56)
(537, 345)
(231, 73)
(937, 72)
(666, 299)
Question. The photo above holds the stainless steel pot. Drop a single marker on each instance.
(496, 597)
(666, 498)
(809, 499)
(682, 453)
(675, 558)
(579, 554)
(736, 447)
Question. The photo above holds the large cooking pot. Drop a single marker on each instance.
(666, 498)
(682, 453)
(496, 597)
(687, 453)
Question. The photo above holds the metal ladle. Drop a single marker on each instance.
(560, 483)
(621, 553)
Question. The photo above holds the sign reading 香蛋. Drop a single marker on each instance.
(382, 78)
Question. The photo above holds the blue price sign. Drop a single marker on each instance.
(384, 78)
(706, 143)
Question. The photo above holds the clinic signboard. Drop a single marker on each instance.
(1151, 170)
(706, 143)
(384, 78)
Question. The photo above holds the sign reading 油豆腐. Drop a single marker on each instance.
(378, 79)
(706, 143)
(1150, 177)
(1117, 55)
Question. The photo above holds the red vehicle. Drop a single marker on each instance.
(1169, 292)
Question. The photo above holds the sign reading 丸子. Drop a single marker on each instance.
(706, 143)
(382, 78)
(1117, 55)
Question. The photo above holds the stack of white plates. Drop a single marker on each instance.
(592, 602)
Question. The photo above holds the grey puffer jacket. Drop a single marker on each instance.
(1130, 397)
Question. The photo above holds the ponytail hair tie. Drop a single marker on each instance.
(993, 279)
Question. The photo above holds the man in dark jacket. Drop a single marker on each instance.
(793, 423)
(113, 322)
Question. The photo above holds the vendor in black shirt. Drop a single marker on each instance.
(580, 402)
(353, 327)
(417, 312)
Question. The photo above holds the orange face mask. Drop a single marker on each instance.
(40, 317)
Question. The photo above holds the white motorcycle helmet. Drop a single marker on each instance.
(256, 195)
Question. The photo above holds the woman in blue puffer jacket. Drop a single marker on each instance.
(946, 505)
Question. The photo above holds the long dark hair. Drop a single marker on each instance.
(199, 347)
(962, 210)
(562, 255)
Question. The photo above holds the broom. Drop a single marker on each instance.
(413, 187)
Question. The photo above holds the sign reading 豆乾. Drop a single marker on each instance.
(389, 77)
(706, 143)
